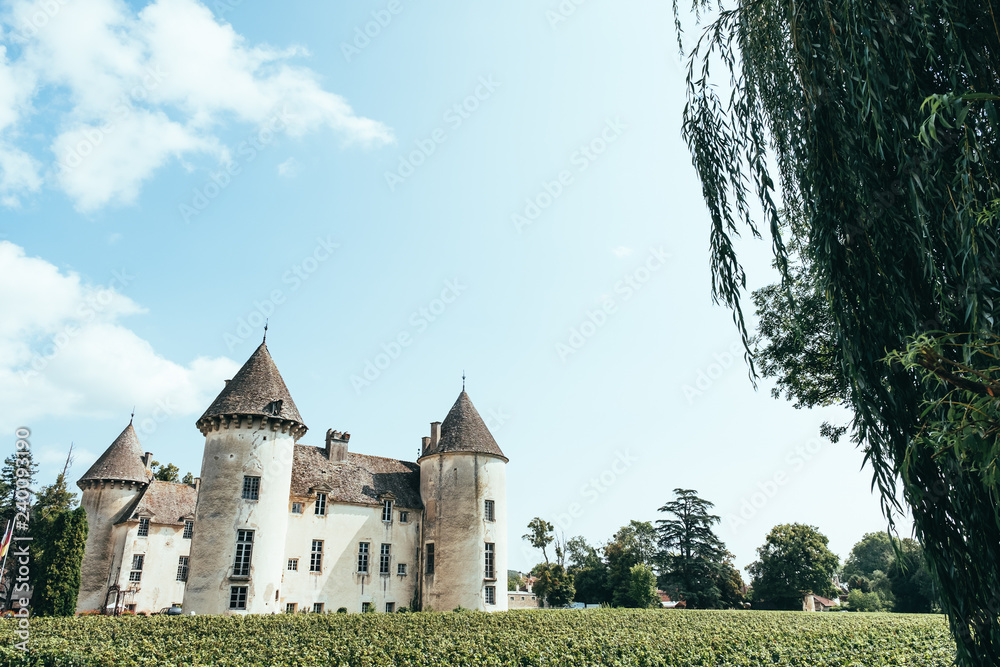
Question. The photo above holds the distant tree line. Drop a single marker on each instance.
(683, 557)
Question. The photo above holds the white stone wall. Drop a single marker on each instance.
(454, 487)
(339, 584)
(243, 447)
(161, 549)
(103, 501)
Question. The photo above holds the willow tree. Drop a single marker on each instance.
(874, 122)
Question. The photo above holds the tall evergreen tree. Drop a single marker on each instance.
(693, 558)
(58, 575)
(8, 482)
(882, 122)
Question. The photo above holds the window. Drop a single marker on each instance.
(244, 549)
(317, 607)
(143, 527)
(401, 569)
(491, 552)
(238, 597)
(251, 488)
(290, 607)
(387, 511)
(490, 511)
(404, 517)
(182, 568)
(293, 564)
(188, 529)
(363, 548)
(296, 508)
(137, 562)
(320, 508)
(491, 595)
(430, 558)
(130, 607)
(366, 607)
(316, 557)
(390, 607)
(384, 560)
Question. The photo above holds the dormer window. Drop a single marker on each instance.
(143, 527)
(273, 408)
(387, 511)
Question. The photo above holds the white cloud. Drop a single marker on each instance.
(621, 251)
(145, 89)
(64, 352)
(289, 168)
(112, 166)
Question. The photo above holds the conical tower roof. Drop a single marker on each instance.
(122, 461)
(463, 430)
(256, 389)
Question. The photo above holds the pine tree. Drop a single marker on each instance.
(8, 482)
(59, 571)
(694, 558)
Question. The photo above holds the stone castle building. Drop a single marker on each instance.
(272, 525)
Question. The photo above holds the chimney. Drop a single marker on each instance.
(435, 433)
(336, 445)
(426, 445)
(197, 484)
(147, 457)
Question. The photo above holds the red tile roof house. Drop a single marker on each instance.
(817, 603)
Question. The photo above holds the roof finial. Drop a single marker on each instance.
(132, 416)
(265, 331)
(463, 380)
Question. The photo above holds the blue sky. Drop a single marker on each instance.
(408, 192)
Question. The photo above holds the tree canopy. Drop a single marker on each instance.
(694, 559)
(880, 120)
(794, 560)
(540, 535)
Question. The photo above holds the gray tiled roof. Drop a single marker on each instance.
(256, 389)
(463, 430)
(164, 502)
(358, 479)
(121, 461)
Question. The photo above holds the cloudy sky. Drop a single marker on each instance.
(407, 192)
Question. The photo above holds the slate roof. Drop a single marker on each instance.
(163, 502)
(256, 389)
(463, 430)
(121, 461)
(358, 479)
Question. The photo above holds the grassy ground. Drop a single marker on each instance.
(593, 637)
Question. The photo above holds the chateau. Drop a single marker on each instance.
(274, 526)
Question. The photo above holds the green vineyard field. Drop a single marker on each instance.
(613, 637)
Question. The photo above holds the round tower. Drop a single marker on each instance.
(109, 488)
(463, 487)
(238, 544)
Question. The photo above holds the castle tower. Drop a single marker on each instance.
(238, 545)
(463, 487)
(109, 488)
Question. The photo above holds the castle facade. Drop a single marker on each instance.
(272, 525)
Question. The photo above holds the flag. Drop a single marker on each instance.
(5, 544)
